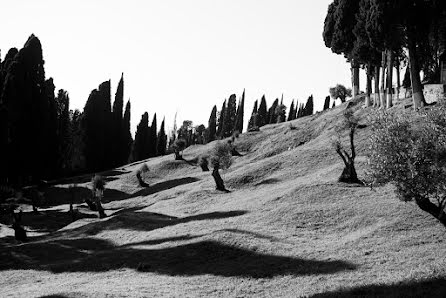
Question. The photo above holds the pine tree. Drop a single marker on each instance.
(291, 112)
(221, 120)
(253, 120)
(162, 140)
(212, 129)
(262, 118)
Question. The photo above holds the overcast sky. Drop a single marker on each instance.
(178, 55)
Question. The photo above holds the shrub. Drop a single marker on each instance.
(221, 158)
(178, 146)
(141, 170)
(409, 151)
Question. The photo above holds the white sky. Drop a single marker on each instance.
(177, 55)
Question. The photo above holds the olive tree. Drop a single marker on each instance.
(409, 151)
(221, 158)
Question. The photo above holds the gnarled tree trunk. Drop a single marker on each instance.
(436, 211)
(417, 89)
(98, 198)
(349, 173)
(218, 181)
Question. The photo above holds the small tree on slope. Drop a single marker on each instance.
(409, 151)
(221, 158)
(349, 173)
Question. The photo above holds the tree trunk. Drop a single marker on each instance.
(377, 97)
(427, 206)
(389, 79)
(99, 205)
(349, 173)
(355, 78)
(398, 79)
(218, 181)
(417, 88)
(369, 85)
(382, 95)
(204, 168)
(178, 156)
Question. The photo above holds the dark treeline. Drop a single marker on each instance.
(41, 138)
(381, 35)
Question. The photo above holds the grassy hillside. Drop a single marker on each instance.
(286, 229)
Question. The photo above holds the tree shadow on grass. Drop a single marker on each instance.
(206, 257)
(147, 221)
(107, 175)
(55, 196)
(164, 185)
(426, 288)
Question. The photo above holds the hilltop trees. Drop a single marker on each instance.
(327, 103)
(262, 114)
(339, 91)
(212, 125)
(253, 120)
(238, 125)
(229, 117)
(161, 142)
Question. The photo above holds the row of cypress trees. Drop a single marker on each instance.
(148, 142)
(41, 138)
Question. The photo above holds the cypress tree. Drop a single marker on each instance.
(272, 116)
(230, 116)
(153, 138)
(212, 130)
(262, 113)
(327, 103)
(162, 140)
(63, 130)
(116, 125)
(308, 110)
(240, 111)
(139, 151)
(221, 120)
(296, 110)
(253, 120)
(126, 135)
(291, 113)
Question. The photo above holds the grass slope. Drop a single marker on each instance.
(286, 229)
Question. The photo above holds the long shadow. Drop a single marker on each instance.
(148, 221)
(47, 221)
(55, 196)
(206, 257)
(427, 288)
(107, 175)
(164, 185)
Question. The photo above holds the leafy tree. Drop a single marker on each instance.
(212, 125)
(349, 173)
(161, 141)
(408, 151)
(179, 145)
(185, 132)
(339, 91)
(262, 114)
(221, 158)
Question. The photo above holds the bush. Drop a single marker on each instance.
(409, 151)
(141, 170)
(178, 146)
(221, 158)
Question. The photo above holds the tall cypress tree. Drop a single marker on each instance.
(229, 117)
(308, 110)
(240, 111)
(139, 151)
(291, 113)
(162, 140)
(153, 138)
(262, 113)
(253, 120)
(212, 129)
(221, 120)
(117, 123)
(272, 115)
(126, 135)
(327, 103)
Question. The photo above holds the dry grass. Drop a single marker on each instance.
(286, 229)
